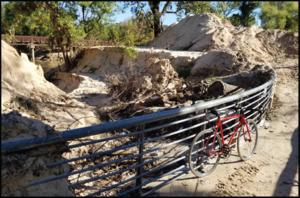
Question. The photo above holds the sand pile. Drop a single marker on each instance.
(22, 77)
(228, 48)
(25, 89)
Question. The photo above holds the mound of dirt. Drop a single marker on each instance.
(196, 33)
(227, 45)
(25, 89)
(216, 63)
(22, 77)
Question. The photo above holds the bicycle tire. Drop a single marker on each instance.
(196, 170)
(253, 130)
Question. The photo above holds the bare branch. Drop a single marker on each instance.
(165, 7)
(170, 12)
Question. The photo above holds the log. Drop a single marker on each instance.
(220, 88)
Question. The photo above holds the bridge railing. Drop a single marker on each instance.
(137, 154)
(44, 40)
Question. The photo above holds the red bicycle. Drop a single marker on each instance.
(208, 146)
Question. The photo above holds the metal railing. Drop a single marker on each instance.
(44, 41)
(134, 155)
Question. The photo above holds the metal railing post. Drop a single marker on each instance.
(140, 168)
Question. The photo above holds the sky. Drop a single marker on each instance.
(167, 19)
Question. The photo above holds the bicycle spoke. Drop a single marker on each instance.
(203, 155)
(246, 144)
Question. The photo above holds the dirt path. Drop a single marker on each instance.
(273, 171)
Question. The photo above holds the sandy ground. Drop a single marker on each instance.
(273, 171)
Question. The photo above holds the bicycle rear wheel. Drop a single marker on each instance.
(245, 146)
(204, 153)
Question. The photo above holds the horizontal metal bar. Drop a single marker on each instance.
(255, 95)
(77, 185)
(53, 178)
(183, 167)
(63, 175)
(141, 175)
(164, 183)
(124, 146)
(264, 100)
(129, 179)
(139, 132)
(26, 143)
(245, 107)
(174, 142)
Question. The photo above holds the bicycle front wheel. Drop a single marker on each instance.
(204, 153)
(247, 142)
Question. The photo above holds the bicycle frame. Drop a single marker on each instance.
(242, 121)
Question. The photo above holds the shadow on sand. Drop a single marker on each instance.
(286, 179)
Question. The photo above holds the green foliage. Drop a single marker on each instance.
(94, 15)
(7, 37)
(130, 52)
(193, 7)
(128, 33)
(34, 18)
(246, 15)
(26, 18)
(152, 17)
(57, 19)
(280, 15)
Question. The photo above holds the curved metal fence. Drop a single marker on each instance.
(134, 155)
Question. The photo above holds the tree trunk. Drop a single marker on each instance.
(154, 5)
(220, 88)
(66, 58)
(58, 31)
(157, 25)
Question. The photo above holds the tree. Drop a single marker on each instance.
(246, 16)
(221, 8)
(63, 26)
(280, 15)
(18, 19)
(57, 19)
(156, 10)
(94, 15)
(193, 7)
(48, 18)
